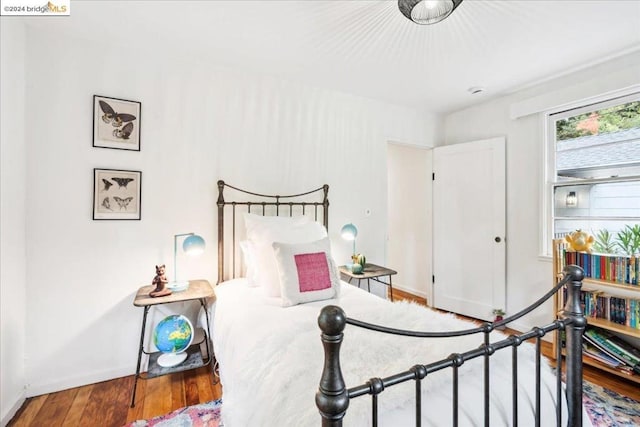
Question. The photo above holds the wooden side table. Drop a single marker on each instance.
(198, 290)
(370, 272)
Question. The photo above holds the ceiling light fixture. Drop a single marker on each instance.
(425, 12)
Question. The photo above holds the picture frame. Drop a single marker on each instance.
(116, 123)
(117, 194)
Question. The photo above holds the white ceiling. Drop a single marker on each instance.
(368, 48)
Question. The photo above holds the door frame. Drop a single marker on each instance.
(426, 292)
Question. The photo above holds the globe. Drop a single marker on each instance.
(172, 336)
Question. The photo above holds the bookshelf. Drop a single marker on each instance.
(597, 286)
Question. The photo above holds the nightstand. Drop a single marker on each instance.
(371, 272)
(198, 290)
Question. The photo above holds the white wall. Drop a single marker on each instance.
(200, 123)
(529, 275)
(13, 191)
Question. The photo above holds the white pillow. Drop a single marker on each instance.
(294, 232)
(307, 272)
(258, 226)
(249, 256)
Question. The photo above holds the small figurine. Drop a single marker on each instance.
(579, 241)
(499, 313)
(160, 281)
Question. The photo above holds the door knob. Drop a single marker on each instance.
(498, 239)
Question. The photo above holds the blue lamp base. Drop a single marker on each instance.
(179, 286)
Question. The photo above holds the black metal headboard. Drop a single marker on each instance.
(263, 204)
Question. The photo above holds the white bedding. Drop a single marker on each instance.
(271, 358)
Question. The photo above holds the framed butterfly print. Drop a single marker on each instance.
(116, 123)
(116, 194)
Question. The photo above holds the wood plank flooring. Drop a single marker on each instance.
(106, 404)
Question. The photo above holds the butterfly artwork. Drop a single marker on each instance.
(116, 123)
(117, 194)
(106, 204)
(107, 184)
(116, 119)
(122, 182)
(123, 203)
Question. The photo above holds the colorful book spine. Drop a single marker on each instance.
(618, 269)
(599, 305)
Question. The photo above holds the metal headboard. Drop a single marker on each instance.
(264, 204)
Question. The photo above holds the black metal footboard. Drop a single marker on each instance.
(332, 398)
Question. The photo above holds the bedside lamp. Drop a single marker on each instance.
(192, 245)
(350, 232)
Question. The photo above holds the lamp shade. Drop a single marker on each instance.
(193, 245)
(349, 232)
(425, 12)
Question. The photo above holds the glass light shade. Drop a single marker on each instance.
(427, 12)
(349, 232)
(572, 199)
(193, 245)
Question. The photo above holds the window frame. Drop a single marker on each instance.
(548, 119)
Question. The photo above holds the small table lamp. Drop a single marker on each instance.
(192, 245)
(350, 232)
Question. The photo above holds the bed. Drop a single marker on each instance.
(286, 360)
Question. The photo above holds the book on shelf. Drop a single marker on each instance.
(614, 347)
(620, 269)
(597, 304)
(595, 353)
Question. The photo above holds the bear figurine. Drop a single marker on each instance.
(160, 282)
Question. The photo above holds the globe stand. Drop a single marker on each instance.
(169, 360)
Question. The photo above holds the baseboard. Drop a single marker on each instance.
(78, 381)
(421, 294)
(13, 410)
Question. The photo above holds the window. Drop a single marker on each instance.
(594, 174)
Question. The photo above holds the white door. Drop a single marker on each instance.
(409, 217)
(469, 227)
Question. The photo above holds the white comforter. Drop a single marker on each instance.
(271, 359)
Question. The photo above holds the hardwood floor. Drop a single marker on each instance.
(399, 295)
(106, 404)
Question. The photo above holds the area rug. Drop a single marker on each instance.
(605, 408)
(204, 414)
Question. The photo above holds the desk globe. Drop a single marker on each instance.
(173, 336)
